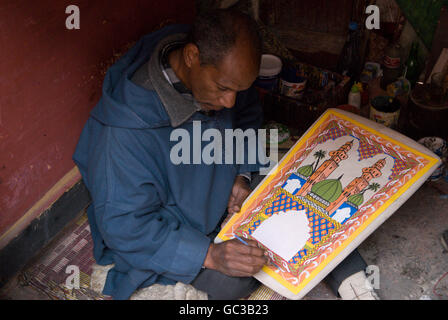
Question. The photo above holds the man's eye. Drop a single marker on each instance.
(222, 89)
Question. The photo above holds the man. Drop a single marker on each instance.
(149, 216)
(153, 219)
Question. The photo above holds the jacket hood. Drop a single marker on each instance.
(125, 104)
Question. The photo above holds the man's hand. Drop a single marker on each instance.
(240, 191)
(235, 259)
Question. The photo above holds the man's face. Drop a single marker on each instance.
(215, 87)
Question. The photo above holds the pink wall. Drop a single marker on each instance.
(50, 78)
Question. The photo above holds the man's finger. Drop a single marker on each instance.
(241, 196)
(236, 209)
(246, 263)
(250, 249)
(252, 243)
(231, 201)
(248, 268)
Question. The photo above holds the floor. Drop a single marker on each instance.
(406, 250)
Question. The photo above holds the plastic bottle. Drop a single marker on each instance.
(391, 65)
(354, 97)
(349, 60)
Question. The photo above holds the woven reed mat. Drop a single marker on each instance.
(49, 272)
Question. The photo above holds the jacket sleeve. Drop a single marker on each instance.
(134, 218)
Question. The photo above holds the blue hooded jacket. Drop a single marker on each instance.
(150, 217)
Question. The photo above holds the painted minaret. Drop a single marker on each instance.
(326, 168)
(358, 184)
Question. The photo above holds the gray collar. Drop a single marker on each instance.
(178, 108)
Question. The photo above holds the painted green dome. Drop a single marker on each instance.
(305, 171)
(328, 190)
(356, 199)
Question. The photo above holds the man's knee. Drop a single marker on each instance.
(237, 289)
(218, 286)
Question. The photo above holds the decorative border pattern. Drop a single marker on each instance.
(352, 227)
(292, 267)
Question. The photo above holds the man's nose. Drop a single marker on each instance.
(228, 99)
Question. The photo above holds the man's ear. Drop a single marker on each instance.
(191, 55)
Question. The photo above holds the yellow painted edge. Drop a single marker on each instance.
(288, 285)
(63, 185)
